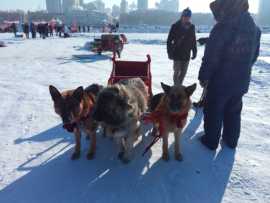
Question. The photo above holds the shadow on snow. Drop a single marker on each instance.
(84, 58)
(201, 177)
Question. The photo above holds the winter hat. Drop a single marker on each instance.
(228, 8)
(187, 13)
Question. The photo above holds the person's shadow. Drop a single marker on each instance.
(57, 179)
(54, 178)
(201, 177)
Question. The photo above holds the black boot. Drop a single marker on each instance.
(207, 144)
(230, 144)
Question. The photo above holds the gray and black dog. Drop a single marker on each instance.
(119, 108)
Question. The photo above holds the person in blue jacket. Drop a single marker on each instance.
(231, 51)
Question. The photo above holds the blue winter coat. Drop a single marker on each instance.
(231, 51)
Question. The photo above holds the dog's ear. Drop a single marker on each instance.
(78, 93)
(190, 89)
(166, 88)
(55, 94)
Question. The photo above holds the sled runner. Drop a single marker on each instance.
(109, 43)
(132, 69)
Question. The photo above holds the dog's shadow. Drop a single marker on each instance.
(58, 179)
(201, 177)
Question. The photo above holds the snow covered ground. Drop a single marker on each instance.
(34, 150)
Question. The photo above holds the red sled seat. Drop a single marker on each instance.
(132, 69)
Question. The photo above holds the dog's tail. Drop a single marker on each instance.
(94, 89)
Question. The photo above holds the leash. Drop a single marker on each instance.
(202, 98)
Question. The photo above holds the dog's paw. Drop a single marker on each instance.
(90, 155)
(178, 157)
(165, 157)
(75, 155)
(121, 155)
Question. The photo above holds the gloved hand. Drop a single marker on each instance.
(203, 83)
(194, 55)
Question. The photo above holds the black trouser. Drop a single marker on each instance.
(222, 111)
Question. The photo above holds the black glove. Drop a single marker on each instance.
(203, 83)
(194, 55)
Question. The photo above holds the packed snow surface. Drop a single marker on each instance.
(35, 165)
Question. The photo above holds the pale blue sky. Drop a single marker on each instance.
(195, 5)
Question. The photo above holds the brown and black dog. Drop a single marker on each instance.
(169, 112)
(75, 108)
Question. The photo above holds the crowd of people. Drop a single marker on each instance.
(231, 50)
(44, 30)
(47, 29)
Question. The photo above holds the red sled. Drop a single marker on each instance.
(123, 70)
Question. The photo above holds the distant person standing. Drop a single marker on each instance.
(33, 30)
(26, 30)
(14, 29)
(46, 27)
(50, 27)
(181, 41)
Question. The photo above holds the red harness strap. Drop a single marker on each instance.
(157, 117)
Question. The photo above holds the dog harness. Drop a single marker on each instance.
(71, 126)
(158, 116)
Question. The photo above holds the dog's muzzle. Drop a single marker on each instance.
(69, 127)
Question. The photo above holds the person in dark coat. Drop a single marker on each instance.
(14, 29)
(181, 41)
(50, 28)
(46, 28)
(231, 51)
(39, 30)
(33, 30)
(26, 30)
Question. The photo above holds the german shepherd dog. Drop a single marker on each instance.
(170, 111)
(119, 108)
(75, 108)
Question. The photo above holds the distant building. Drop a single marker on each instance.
(115, 11)
(132, 6)
(69, 5)
(54, 6)
(81, 2)
(142, 4)
(100, 6)
(264, 15)
(124, 6)
(168, 5)
(90, 6)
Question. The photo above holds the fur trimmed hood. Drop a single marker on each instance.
(228, 9)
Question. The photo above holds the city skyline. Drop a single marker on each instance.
(203, 6)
